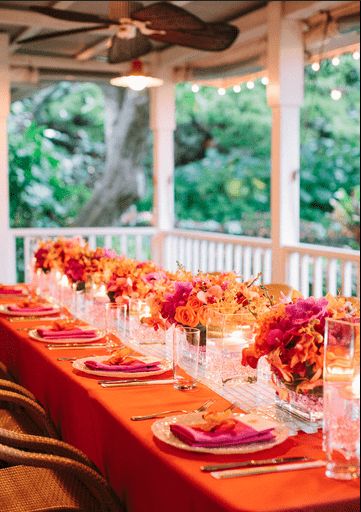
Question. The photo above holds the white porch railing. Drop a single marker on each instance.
(312, 269)
(315, 269)
(132, 242)
(215, 252)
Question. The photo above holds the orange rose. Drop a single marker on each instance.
(203, 315)
(194, 303)
(186, 316)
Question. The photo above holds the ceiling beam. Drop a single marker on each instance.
(53, 62)
(33, 31)
(21, 18)
(302, 10)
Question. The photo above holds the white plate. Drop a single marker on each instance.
(4, 309)
(33, 334)
(79, 364)
(161, 430)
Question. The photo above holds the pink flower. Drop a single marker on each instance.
(305, 310)
(178, 298)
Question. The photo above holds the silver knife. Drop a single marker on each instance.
(74, 346)
(132, 382)
(252, 463)
(38, 318)
(277, 468)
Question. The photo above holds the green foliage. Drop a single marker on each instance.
(56, 146)
(222, 147)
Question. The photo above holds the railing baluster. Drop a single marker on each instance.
(237, 258)
(139, 254)
(196, 256)
(228, 258)
(294, 270)
(181, 251)
(27, 258)
(318, 277)
(347, 278)
(124, 245)
(332, 276)
(92, 242)
(108, 241)
(267, 271)
(211, 257)
(220, 257)
(247, 262)
(305, 275)
(204, 256)
(188, 254)
(257, 261)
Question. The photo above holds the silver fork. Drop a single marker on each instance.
(161, 414)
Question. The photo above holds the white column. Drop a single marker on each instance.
(163, 123)
(285, 97)
(7, 244)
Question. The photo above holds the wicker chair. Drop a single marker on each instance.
(278, 290)
(4, 374)
(21, 414)
(45, 445)
(39, 482)
(9, 385)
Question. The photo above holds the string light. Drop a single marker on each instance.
(221, 91)
(335, 61)
(237, 89)
(356, 55)
(336, 94)
(265, 80)
(250, 85)
(316, 66)
(195, 88)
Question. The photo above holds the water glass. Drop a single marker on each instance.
(115, 322)
(186, 342)
(229, 332)
(341, 429)
(137, 309)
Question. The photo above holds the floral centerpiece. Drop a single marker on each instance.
(291, 336)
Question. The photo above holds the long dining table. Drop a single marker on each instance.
(148, 475)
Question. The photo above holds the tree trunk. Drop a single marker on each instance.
(126, 131)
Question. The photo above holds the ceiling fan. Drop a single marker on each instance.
(134, 26)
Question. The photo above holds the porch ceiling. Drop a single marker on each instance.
(83, 56)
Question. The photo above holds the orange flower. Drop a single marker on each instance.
(194, 303)
(186, 316)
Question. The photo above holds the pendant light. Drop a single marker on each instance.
(136, 78)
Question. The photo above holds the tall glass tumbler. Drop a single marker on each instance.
(186, 342)
(341, 428)
(115, 321)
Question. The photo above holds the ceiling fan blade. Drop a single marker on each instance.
(81, 17)
(124, 50)
(163, 15)
(43, 37)
(215, 37)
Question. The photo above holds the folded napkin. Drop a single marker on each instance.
(56, 334)
(240, 434)
(130, 367)
(30, 309)
(11, 291)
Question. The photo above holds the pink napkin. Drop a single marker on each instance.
(136, 366)
(241, 434)
(11, 291)
(54, 334)
(34, 309)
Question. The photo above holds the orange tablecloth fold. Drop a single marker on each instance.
(149, 475)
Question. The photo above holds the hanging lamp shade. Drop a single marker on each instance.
(136, 78)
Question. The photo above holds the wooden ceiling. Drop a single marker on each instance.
(84, 55)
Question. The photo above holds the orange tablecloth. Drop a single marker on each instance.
(148, 475)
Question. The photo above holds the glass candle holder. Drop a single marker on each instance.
(228, 333)
(341, 427)
(115, 323)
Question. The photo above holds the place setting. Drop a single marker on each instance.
(7, 291)
(29, 310)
